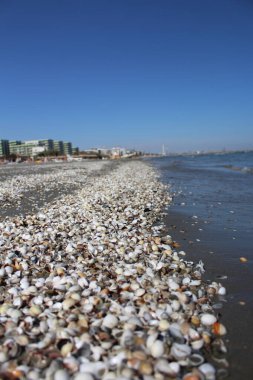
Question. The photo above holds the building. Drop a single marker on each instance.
(4, 148)
(37, 150)
(13, 144)
(67, 148)
(58, 147)
(75, 150)
(31, 148)
(23, 148)
(48, 144)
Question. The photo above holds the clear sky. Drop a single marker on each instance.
(135, 73)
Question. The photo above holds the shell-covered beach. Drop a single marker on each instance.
(91, 286)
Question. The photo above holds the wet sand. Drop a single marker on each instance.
(220, 254)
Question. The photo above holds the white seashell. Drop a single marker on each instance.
(186, 281)
(208, 319)
(61, 374)
(83, 376)
(17, 302)
(110, 321)
(2, 272)
(173, 285)
(3, 357)
(222, 291)
(69, 248)
(30, 290)
(164, 325)
(139, 292)
(68, 303)
(208, 370)
(175, 305)
(157, 349)
(35, 310)
(8, 270)
(14, 313)
(97, 352)
(197, 344)
(40, 282)
(91, 249)
(166, 367)
(180, 351)
(41, 216)
(175, 330)
(66, 349)
(151, 339)
(83, 282)
(87, 308)
(97, 368)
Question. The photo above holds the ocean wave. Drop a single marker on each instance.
(245, 169)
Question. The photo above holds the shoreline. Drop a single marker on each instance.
(102, 291)
(236, 309)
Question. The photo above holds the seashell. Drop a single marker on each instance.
(191, 376)
(195, 360)
(97, 352)
(157, 349)
(97, 369)
(8, 270)
(208, 370)
(145, 368)
(127, 339)
(110, 376)
(208, 319)
(14, 313)
(164, 325)
(139, 292)
(197, 344)
(175, 330)
(83, 376)
(71, 364)
(22, 340)
(180, 351)
(66, 349)
(151, 339)
(219, 329)
(222, 291)
(3, 357)
(175, 305)
(68, 303)
(87, 308)
(195, 320)
(61, 374)
(168, 368)
(173, 285)
(35, 310)
(110, 321)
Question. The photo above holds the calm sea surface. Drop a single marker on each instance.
(212, 217)
(219, 187)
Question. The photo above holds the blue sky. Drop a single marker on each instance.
(135, 73)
